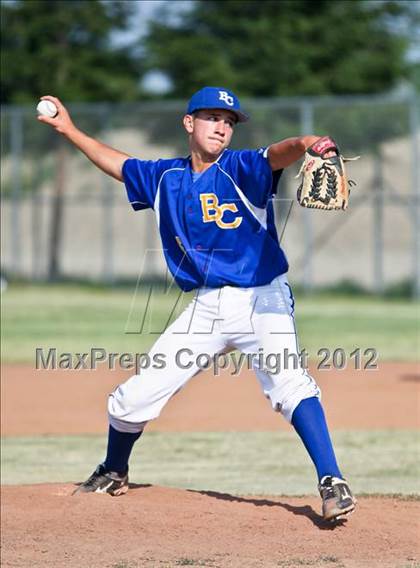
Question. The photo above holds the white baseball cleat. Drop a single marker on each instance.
(337, 499)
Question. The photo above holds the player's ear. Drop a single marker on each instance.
(188, 122)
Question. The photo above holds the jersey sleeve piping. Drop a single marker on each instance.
(157, 197)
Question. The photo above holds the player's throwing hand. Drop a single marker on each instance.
(61, 121)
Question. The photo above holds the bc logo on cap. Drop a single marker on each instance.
(216, 97)
(224, 96)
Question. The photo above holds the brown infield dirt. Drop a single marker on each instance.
(42, 525)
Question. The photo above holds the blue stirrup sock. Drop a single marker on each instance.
(309, 422)
(119, 449)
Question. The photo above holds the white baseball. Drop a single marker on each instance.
(47, 108)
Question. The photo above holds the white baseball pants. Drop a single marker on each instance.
(255, 320)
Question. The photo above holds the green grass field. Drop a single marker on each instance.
(76, 318)
(258, 463)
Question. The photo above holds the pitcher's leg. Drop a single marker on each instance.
(143, 396)
(294, 392)
(309, 421)
(120, 445)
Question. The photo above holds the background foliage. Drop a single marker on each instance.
(271, 48)
(50, 47)
(258, 47)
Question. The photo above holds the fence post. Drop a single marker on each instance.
(57, 212)
(108, 231)
(108, 211)
(307, 127)
(36, 220)
(16, 147)
(378, 222)
(415, 175)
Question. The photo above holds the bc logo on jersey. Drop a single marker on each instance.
(213, 212)
(224, 96)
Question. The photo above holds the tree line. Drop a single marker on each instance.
(260, 48)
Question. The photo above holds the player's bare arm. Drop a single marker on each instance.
(108, 159)
(284, 153)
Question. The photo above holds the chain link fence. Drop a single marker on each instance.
(63, 218)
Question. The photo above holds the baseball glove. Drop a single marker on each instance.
(324, 184)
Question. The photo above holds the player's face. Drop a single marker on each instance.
(210, 130)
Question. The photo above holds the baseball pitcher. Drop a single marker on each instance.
(215, 216)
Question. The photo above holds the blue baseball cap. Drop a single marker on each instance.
(216, 97)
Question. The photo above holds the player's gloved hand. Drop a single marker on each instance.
(324, 183)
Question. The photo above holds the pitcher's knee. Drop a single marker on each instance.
(290, 390)
(139, 399)
(132, 407)
(124, 426)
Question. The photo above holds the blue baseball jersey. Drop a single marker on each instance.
(218, 230)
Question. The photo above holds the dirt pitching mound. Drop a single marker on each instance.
(44, 526)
